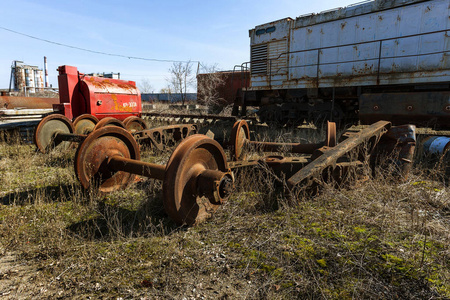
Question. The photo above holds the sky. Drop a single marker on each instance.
(214, 33)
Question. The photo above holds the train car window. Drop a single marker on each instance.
(260, 31)
(270, 29)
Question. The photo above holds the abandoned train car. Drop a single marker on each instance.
(382, 59)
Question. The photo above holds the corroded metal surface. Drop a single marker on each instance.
(47, 130)
(196, 158)
(9, 102)
(101, 97)
(196, 180)
(109, 121)
(134, 124)
(240, 138)
(240, 134)
(84, 124)
(93, 154)
(356, 147)
(161, 137)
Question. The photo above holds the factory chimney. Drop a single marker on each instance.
(46, 72)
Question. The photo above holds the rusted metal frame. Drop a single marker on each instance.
(330, 158)
(176, 133)
(240, 136)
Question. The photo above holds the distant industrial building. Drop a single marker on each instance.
(26, 78)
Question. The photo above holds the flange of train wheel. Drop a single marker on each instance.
(93, 153)
(109, 121)
(196, 181)
(240, 133)
(47, 130)
(84, 124)
(134, 124)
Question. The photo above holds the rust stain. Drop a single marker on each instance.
(343, 25)
(118, 106)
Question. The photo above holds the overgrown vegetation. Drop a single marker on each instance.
(383, 239)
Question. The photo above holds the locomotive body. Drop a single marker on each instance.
(376, 60)
(100, 97)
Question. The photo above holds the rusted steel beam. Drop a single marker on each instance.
(10, 102)
(160, 137)
(355, 143)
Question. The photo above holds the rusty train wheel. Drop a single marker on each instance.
(134, 124)
(93, 153)
(194, 155)
(84, 124)
(239, 134)
(331, 140)
(109, 121)
(48, 128)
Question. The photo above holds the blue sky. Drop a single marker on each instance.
(212, 32)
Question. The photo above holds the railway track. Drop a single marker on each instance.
(173, 118)
(23, 122)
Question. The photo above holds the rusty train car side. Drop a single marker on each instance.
(382, 59)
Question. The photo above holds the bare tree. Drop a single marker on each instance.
(209, 82)
(181, 78)
(145, 86)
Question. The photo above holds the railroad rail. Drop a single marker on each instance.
(172, 118)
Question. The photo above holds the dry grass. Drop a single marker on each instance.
(379, 240)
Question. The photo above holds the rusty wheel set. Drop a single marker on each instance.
(198, 178)
(58, 132)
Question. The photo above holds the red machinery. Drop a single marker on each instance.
(101, 97)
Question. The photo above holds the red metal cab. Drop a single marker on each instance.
(101, 97)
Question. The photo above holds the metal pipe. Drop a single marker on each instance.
(69, 137)
(46, 72)
(119, 163)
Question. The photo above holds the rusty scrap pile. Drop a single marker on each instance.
(198, 178)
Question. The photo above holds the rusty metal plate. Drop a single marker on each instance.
(92, 155)
(134, 124)
(48, 128)
(84, 124)
(182, 200)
